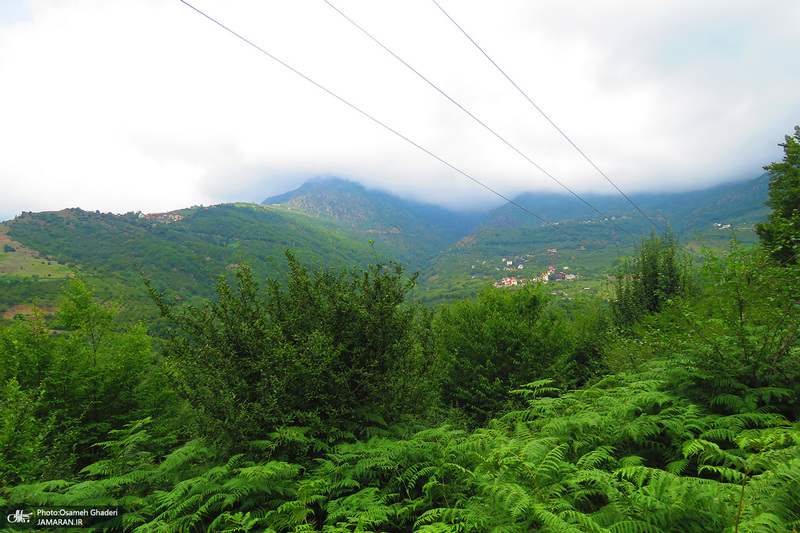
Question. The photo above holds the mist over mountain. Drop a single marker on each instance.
(364, 209)
(412, 229)
(729, 203)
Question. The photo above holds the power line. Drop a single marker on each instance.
(546, 117)
(385, 126)
(476, 119)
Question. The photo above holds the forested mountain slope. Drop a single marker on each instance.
(183, 251)
(740, 203)
(336, 222)
(413, 231)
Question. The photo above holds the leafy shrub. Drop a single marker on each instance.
(740, 335)
(645, 282)
(326, 351)
(503, 340)
(85, 379)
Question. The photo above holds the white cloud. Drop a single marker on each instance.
(118, 105)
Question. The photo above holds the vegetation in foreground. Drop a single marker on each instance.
(323, 400)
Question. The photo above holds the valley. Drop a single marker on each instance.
(338, 223)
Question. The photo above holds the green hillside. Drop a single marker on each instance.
(412, 232)
(489, 255)
(737, 203)
(578, 238)
(335, 222)
(182, 252)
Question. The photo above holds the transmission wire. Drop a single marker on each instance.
(547, 118)
(476, 119)
(367, 115)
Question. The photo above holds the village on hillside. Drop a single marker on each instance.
(517, 264)
(159, 217)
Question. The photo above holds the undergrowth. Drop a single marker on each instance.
(626, 455)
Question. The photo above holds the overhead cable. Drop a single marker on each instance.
(476, 119)
(385, 126)
(547, 118)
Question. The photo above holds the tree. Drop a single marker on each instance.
(323, 350)
(102, 367)
(655, 274)
(22, 435)
(780, 234)
(81, 381)
(501, 342)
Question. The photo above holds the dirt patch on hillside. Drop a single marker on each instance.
(21, 249)
(27, 310)
(5, 239)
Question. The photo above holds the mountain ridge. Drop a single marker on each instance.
(394, 222)
(336, 222)
(683, 210)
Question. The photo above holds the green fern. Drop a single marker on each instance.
(627, 454)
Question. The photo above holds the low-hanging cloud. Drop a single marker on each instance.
(120, 106)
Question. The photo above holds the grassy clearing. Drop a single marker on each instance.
(17, 260)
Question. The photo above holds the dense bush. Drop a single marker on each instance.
(646, 281)
(504, 340)
(73, 386)
(740, 334)
(324, 350)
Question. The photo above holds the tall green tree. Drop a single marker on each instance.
(101, 367)
(83, 380)
(502, 341)
(655, 273)
(322, 350)
(780, 234)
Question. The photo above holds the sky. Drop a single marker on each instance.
(128, 105)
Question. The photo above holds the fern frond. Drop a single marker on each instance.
(634, 526)
(763, 523)
(598, 456)
(677, 467)
(702, 448)
(725, 473)
(719, 434)
(536, 388)
(552, 521)
(639, 475)
(551, 462)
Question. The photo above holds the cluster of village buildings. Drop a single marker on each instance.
(159, 217)
(544, 277)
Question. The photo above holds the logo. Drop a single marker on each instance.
(19, 517)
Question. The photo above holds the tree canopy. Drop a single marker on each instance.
(780, 234)
(322, 349)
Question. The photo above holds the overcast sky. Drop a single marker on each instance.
(127, 105)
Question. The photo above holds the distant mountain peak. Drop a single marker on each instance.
(378, 214)
(317, 186)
